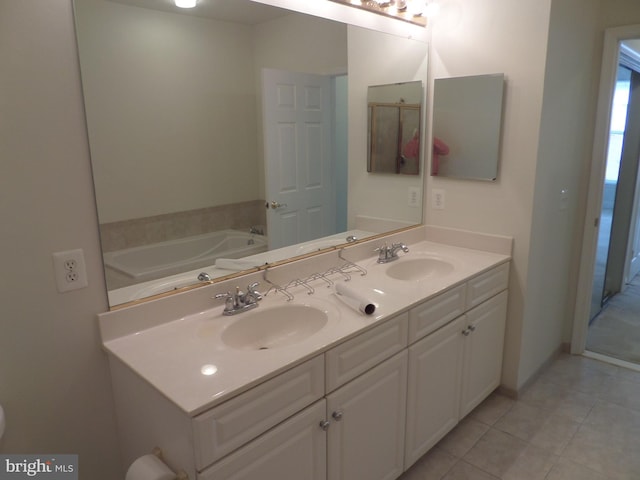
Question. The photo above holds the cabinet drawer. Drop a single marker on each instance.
(356, 356)
(487, 285)
(234, 423)
(294, 449)
(435, 313)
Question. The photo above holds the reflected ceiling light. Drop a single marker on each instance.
(208, 370)
(185, 3)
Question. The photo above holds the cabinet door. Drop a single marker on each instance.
(433, 401)
(484, 343)
(366, 436)
(294, 449)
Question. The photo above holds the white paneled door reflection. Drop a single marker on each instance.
(297, 116)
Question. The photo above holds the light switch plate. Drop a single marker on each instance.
(437, 199)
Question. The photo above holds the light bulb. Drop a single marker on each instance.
(185, 3)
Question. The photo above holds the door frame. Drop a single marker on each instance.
(612, 39)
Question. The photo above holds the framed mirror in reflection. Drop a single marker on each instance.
(193, 159)
(394, 114)
(467, 118)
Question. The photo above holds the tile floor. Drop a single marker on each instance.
(580, 420)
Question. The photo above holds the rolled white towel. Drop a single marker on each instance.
(355, 300)
(235, 264)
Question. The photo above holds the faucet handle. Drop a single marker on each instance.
(401, 246)
(228, 302)
(381, 248)
(251, 290)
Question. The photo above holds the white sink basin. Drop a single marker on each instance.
(274, 327)
(414, 269)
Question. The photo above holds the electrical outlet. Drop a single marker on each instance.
(70, 270)
(437, 197)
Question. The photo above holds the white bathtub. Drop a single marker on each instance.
(174, 256)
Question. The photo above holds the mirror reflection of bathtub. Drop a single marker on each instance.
(152, 261)
(154, 269)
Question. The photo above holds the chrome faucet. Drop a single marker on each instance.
(351, 238)
(240, 301)
(390, 253)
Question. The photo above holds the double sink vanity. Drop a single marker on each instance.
(305, 385)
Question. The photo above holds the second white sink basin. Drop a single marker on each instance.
(274, 327)
(418, 268)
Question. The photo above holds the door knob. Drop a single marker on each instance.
(324, 425)
(337, 415)
(275, 205)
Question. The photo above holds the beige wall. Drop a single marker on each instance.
(564, 152)
(169, 97)
(54, 380)
(497, 36)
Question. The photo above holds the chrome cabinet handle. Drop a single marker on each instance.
(466, 332)
(324, 425)
(337, 415)
(472, 328)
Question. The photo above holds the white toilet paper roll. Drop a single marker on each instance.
(355, 299)
(149, 467)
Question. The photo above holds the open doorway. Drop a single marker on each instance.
(614, 318)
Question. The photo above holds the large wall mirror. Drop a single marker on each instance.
(467, 121)
(179, 109)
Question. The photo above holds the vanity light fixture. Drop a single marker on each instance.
(411, 11)
(185, 3)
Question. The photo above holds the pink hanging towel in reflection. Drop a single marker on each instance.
(439, 148)
(412, 148)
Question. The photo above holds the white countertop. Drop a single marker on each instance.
(186, 360)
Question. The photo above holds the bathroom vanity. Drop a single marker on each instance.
(309, 387)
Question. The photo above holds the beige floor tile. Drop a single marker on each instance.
(628, 374)
(580, 376)
(622, 392)
(522, 421)
(496, 452)
(432, 466)
(616, 420)
(492, 409)
(463, 437)
(533, 463)
(595, 448)
(565, 469)
(465, 471)
(555, 433)
(558, 399)
(538, 427)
